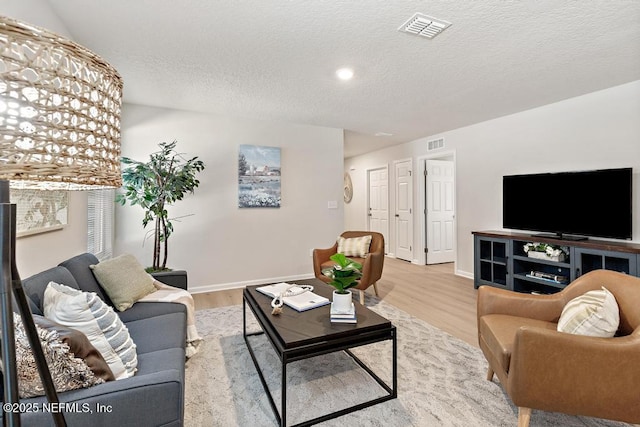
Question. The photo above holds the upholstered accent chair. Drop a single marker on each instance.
(541, 368)
(372, 262)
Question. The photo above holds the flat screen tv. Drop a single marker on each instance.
(568, 204)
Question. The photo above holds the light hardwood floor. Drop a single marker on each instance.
(429, 292)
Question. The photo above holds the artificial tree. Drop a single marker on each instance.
(166, 178)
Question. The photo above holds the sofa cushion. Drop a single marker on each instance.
(79, 346)
(86, 312)
(594, 313)
(35, 285)
(123, 278)
(145, 310)
(144, 332)
(67, 371)
(78, 266)
(499, 332)
(354, 246)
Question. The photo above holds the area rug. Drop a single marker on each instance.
(441, 380)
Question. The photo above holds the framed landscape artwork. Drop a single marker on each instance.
(258, 177)
(39, 211)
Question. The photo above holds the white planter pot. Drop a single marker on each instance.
(342, 302)
(543, 255)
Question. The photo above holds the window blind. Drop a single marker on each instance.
(100, 218)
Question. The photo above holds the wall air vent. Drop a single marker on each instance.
(435, 144)
(425, 26)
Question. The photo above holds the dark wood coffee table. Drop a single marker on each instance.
(302, 335)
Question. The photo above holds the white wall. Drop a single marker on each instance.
(38, 252)
(35, 12)
(594, 131)
(222, 245)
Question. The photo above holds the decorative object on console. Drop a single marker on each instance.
(60, 129)
(545, 251)
(166, 178)
(259, 174)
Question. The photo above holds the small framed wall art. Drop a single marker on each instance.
(40, 211)
(259, 175)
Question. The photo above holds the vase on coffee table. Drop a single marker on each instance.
(342, 302)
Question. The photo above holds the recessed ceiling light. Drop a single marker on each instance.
(345, 73)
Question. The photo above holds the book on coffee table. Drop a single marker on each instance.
(301, 302)
(348, 316)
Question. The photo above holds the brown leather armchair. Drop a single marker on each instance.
(371, 265)
(541, 368)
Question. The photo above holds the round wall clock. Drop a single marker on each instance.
(348, 188)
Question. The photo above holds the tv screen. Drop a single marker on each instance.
(590, 203)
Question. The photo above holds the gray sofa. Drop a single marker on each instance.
(155, 395)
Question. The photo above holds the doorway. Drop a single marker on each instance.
(378, 203)
(438, 190)
(404, 209)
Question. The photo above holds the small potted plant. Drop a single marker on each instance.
(344, 275)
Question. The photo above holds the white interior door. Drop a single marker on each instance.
(378, 216)
(440, 211)
(404, 210)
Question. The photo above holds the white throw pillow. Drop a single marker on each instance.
(354, 246)
(86, 312)
(595, 314)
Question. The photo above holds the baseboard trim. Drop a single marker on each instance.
(236, 285)
(465, 274)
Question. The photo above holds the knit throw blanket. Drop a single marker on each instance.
(166, 293)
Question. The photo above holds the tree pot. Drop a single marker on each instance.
(342, 302)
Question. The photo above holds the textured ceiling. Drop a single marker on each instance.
(276, 59)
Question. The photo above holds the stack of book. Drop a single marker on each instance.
(348, 316)
(548, 276)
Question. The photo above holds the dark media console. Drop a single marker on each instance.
(500, 261)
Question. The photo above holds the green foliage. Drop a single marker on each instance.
(344, 274)
(155, 185)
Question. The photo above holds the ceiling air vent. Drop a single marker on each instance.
(425, 26)
(435, 144)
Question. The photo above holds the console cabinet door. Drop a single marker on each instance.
(590, 259)
(492, 262)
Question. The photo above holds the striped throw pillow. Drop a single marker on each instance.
(593, 314)
(87, 313)
(354, 246)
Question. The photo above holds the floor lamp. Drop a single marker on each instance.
(59, 129)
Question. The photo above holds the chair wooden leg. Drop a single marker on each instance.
(362, 297)
(490, 374)
(375, 288)
(524, 415)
